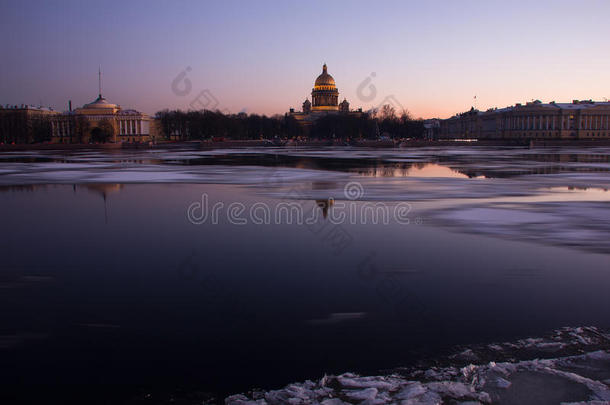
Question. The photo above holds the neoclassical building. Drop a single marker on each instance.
(82, 124)
(25, 123)
(535, 120)
(325, 100)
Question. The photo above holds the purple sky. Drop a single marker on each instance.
(430, 57)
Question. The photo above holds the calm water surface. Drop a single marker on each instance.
(110, 292)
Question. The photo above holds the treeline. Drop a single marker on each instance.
(206, 124)
(199, 125)
(398, 126)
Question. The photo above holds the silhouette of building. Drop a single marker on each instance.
(535, 120)
(25, 123)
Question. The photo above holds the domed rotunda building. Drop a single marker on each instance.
(325, 94)
(81, 124)
(325, 100)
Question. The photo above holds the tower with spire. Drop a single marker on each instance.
(101, 119)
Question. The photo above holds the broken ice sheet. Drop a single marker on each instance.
(569, 379)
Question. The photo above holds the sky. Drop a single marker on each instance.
(429, 57)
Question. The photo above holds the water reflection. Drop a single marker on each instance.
(411, 170)
(22, 187)
(574, 193)
(416, 162)
(103, 189)
(130, 295)
(325, 205)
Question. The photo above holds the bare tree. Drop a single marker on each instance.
(405, 116)
(387, 112)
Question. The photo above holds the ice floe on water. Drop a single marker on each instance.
(21, 174)
(463, 162)
(555, 196)
(585, 225)
(571, 366)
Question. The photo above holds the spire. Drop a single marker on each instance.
(324, 68)
(99, 80)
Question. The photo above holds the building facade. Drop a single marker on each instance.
(535, 120)
(101, 121)
(325, 100)
(25, 123)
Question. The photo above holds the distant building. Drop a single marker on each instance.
(432, 128)
(535, 120)
(325, 100)
(82, 124)
(25, 123)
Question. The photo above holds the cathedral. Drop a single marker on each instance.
(324, 101)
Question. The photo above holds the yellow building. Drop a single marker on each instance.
(325, 100)
(101, 121)
(535, 120)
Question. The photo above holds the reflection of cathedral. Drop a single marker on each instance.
(325, 100)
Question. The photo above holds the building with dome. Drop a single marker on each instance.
(325, 100)
(85, 125)
(325, 94)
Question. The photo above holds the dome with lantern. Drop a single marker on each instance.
(325, 95)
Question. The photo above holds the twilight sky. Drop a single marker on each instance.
(431, 57)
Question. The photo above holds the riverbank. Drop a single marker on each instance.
(208, 145)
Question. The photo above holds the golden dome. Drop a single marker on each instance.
(324, 79)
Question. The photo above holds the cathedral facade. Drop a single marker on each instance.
(324, 101)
